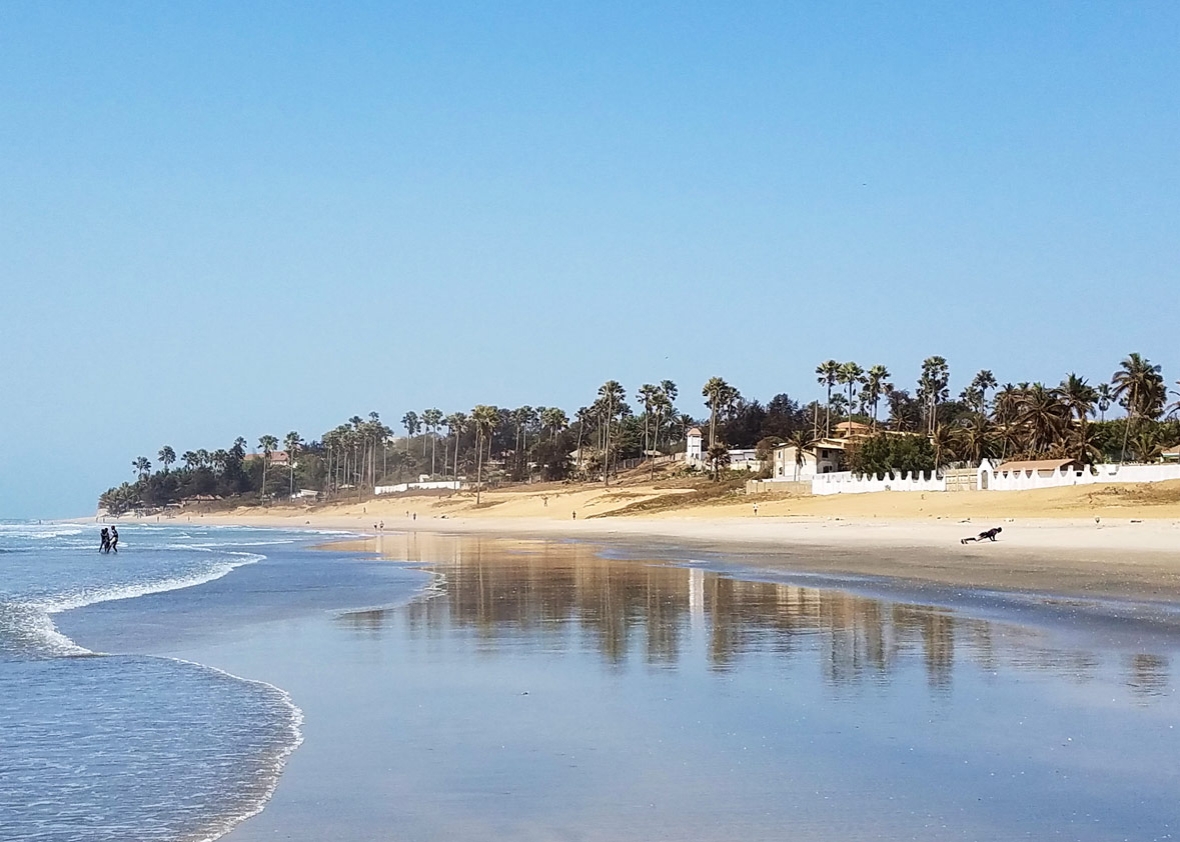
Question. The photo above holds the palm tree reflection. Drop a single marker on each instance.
(563, 596)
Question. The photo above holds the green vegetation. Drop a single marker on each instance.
(493, 445)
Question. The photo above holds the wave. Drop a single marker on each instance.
(277, 763)
(68, 602)
(32, 621)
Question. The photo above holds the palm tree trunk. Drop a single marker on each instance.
(478, 466)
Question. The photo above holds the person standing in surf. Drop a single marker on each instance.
(114, 539)
(105, 536)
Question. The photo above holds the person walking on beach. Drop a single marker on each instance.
(114, 539)
(105, 537)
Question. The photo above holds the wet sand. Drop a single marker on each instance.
(549, 689)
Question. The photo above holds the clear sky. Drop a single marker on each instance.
(222, 219)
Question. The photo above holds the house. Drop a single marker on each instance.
(824, 456)
(1039, 467)
(1172, 454)
(277, 457)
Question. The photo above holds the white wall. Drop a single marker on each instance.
(845, 482)
(992, 480)
(451, 484)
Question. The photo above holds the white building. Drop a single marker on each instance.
(825, 456)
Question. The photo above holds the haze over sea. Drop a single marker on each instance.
(556, 689)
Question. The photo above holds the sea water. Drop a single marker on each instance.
(109, 746)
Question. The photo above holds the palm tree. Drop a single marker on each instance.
(932, 388)
(1146, 445)
(1140, 387)
(802, 440)
(267, 445)
(876, 384)
(942, 440)
(647, 395)
(718, 394)
(1044, 417)
(983, 381)
(292, 442)
(433, 419)
(456, 424)
(611, 395)
(167, 457)
(828, 372)
(412, 424)
(484, 419)
(1105, 397)
(718, 456)
(554, 420)
(850, 374)
(1079, 398)
(190, 460)
(975, 439)
(142, 467)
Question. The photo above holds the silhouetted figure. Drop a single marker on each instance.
(105, 537)
(114, 539)
(989, 535)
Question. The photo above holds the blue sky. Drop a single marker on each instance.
(221, 219)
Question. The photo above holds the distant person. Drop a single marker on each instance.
(114, 539)
(381, 526)
(986, 535)
(755, 510)
(545, 502)
(105, 537)
(574, 515)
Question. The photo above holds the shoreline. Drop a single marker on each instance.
(1062, 557)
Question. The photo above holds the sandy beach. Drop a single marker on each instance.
(1108, 541)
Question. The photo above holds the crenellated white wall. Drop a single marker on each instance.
(846, 482)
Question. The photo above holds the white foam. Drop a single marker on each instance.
(278, 762)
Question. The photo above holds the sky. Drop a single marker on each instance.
(223, 219)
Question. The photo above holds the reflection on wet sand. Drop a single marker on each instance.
(503, 591)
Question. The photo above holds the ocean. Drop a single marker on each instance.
(97, 744)
(469, 687)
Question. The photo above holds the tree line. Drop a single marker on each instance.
(498, 444)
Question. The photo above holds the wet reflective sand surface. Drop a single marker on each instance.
(546, 692)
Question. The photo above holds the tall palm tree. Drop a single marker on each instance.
(932, 388)
(456, 424)
(1140, 387)
(554, 420)
(267, 444)
(876, 383)
(983, 381)
(647, 396)
(1079, 398)
(828, 371)
(611, 396)
(850, 374)
(412, 424)
(718, 395)
(167, 457)
(142, 467)
(1105, 397)
(292, 442)
(484, 419)
(433, 419)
